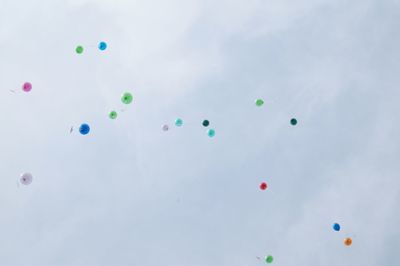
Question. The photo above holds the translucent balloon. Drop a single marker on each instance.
(336, 227)
(102, 46)
(259, 102)
(165, 127)
(126, 98)
(211, 133)
(84, 129)
(348, 241)
(206, 123)
(26, 179)
(293, 121)
(79, 49)
(263, 186)
(113, 115)
(178, 122)
(269, 259)
(27, 87)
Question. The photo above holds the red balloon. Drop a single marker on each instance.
(263, 186)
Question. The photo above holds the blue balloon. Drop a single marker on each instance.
(336, 227)
(84, 129)
(102, 46)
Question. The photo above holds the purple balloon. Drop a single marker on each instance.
(26, 179)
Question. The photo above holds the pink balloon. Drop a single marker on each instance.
(27, 87)
(26, 179)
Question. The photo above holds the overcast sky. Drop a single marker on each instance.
(129, 194)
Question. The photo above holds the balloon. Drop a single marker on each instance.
(293, 121)
(263, 186)
(336, 227)
(178, 122)
(113, 115)
(26, 179)
(126, 98)
(259, 102)
(79, 49)
(165, 127)
(84, 129)
(102, 46)
(211, 133)
(269, 259)
(206, 123)
(27, 87)
(348, 241)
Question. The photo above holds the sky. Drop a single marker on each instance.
(130, 194)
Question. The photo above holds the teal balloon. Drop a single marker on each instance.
(178, 122)
(211, 133)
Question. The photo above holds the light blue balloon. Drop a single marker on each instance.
(102, 46)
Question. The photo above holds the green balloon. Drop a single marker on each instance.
(113, 115)
(79, 49)
(293, 121)
(269, 259)
(127, 98)
(259, 102)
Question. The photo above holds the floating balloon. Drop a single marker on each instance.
(259, 102)
(165, 127)
(293, 121)
(269, 259)
(336, 227)
(348, 241)
(211, 133)
(102, 46)
(26, 179)
(79, 49)
(206, 123)
(84, 129)
(113, 115)
(263, 186)
(178, 122)
(126, 98)
(27, 87)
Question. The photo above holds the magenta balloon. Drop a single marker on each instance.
(27, 87)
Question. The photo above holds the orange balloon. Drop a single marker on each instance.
(348, 241)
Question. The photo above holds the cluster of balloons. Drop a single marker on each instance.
(347, 241)
(126, 98)
(102, 46)
(260, 102)
(179, 123)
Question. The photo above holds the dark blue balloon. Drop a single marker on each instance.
(84, 129)
(102, 46)
(336, 227)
